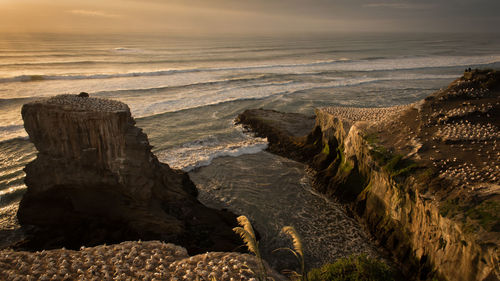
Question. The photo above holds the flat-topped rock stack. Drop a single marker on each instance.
(424, 177)
(95, 180)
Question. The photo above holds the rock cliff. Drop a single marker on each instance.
(423, 177)
(95, 180)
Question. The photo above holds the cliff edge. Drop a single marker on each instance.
(423, 177)
(95, 180)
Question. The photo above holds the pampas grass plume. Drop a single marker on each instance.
(245, 223)
(247, 238)
(247, 234)
(297, 243)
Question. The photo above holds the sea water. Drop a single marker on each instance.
(186, 92)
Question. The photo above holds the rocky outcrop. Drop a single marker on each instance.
(287, 133)
(424, 178)
(131, 260)
(401, 208)
(96, 181)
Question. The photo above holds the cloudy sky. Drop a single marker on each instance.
(248, 16)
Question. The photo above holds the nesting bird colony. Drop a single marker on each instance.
(457, 131)
(464, 89)
(150, 260)
(466, 109)
(353, 114)
(466, 131)
(75, 102)
(467, 173)
(469, 126)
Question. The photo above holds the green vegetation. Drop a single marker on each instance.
(394, 164)
(486, 214)
(449, 208)
(398, 166)
(380, 154)
(353, 268)
(326, 149)
(344, 165)
(247, 233)
(487, 78)
(426, 175)
(371, 138)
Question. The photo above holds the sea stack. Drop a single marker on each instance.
(95, 180)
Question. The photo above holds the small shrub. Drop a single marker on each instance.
(371, 138)
(449, 208)
(487, 214)
(353, 268)
(398, 166)
(326, 149)
(380, 154)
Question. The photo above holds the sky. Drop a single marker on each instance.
(248, 16)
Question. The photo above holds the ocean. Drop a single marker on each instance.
(186, 92)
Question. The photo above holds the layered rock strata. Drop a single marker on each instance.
(95, 180)
(428, 191)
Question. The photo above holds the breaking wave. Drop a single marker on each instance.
(346, 65)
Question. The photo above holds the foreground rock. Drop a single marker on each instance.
(151, 260)
(425, 177)
(96, 181)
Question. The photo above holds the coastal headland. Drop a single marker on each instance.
(423, 177)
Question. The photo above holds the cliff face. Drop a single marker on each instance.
(96, 181)
(424, 178)
(403, 213)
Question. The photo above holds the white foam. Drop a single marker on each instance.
(192, 155)
(12, 132)
(127, 50)
(162, 103)
(12, 189)
(342, 64)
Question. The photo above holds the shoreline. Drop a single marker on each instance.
(353, 167)
(61, 252)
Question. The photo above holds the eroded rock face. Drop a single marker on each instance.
(424, 178)
(96, 181)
